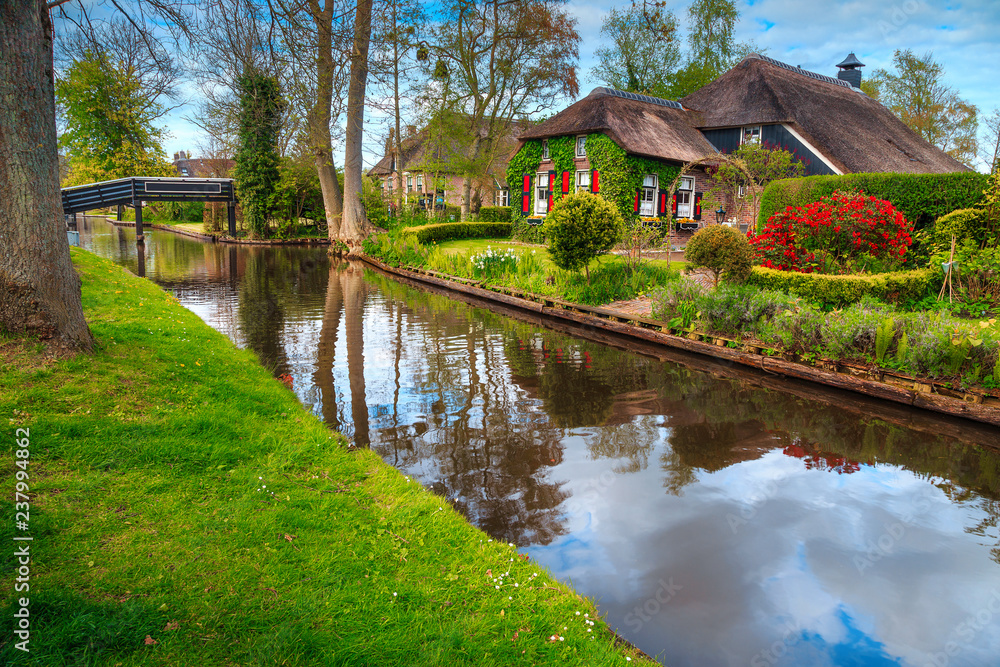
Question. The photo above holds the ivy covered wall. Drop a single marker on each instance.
(620, 174)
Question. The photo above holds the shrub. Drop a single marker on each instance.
(494, 214)
(837, 234)
(963, 224)
(457, 230)
(722, 250)
(922, 198)
(842, 290)
(581, 226)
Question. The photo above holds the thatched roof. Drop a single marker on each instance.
(423, 148)
(852, 130)
(641, 125)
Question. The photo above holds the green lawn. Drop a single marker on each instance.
(187, 510)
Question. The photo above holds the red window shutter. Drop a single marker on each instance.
(638, 194)
(661, 208)
(697, 206)
(551, 199)
(565, 188)
(552, 181)
(673, 206)
(526, 195)
(595, 185)
(527, 183)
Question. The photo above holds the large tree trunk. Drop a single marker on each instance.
(319, 118)
(39, 288)
(467, 181)
(355, 226)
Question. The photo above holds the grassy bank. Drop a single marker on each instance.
(187, 510)
(528, 268)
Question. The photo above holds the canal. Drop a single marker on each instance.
(717, 515)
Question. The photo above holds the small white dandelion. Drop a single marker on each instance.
(394, 594)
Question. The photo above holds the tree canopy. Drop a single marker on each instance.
(109, 121)
(917, 94)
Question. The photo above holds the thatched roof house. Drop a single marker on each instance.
(827, 117)
(828, 123)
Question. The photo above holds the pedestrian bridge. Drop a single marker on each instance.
(135, 190)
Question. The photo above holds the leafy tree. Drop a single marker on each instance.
(109, 132)
(644, 52)
(257, 154)
(723, 251)
(711, 49)
(750, 168)
(502, 60)
(580, 227)
(917, 94)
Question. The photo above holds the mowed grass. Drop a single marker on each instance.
(537, 273)
(187, 510)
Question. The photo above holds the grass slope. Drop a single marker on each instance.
(187, 510)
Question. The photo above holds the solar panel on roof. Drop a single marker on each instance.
(804, 72)
(641, 98)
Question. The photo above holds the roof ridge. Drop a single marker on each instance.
(637, 97)
(800, 71)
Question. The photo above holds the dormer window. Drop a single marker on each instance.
(751, 135)
(581, 146)
(545, 149)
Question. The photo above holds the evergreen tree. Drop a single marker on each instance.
(261, 106)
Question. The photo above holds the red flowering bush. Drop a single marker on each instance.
(842, 233)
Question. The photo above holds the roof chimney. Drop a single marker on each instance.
(849, 71)
(390, 143)
(175, 157)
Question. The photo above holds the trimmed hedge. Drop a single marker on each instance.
(457, 230)
(965, 223)
(494, 214)
(921, 197)
(843, 290)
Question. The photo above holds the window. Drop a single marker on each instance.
(685, 197)
(647, 201)
(742, 192)
(751, 135)
(388, 184)
(420, 182)
(545, 149)
(409, 183)
(581, 146)
(542, 191)
(583, 181)
(502, 197)
(393, 163)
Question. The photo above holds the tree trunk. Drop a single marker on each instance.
(355, 226)
(467, 181)
(318, 120)
(39, 288)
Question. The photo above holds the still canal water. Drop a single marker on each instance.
(718, 516)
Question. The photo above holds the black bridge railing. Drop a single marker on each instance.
(137, 189)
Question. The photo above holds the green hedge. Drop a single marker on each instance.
(842, 290)
(921, 197)
(494, 214)
(457, 230)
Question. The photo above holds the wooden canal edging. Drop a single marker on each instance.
(978, 405)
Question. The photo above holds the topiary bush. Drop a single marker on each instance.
(841, 290)
(580, 227)
(964, 224)
(456, 230)
(494, 214)
(722, 250)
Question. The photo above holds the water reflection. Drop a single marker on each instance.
(719, 516)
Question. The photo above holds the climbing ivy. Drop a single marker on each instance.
(526, 161)
(621, 174)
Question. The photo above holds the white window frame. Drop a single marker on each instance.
(753, 131)
(545, 149)
(583, 180)
(502, 197)
(581, 146)
(420, 182)
(685, 197)
(409, 183)
(542, 193)
(647, 200)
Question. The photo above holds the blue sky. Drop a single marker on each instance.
(964, 36)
